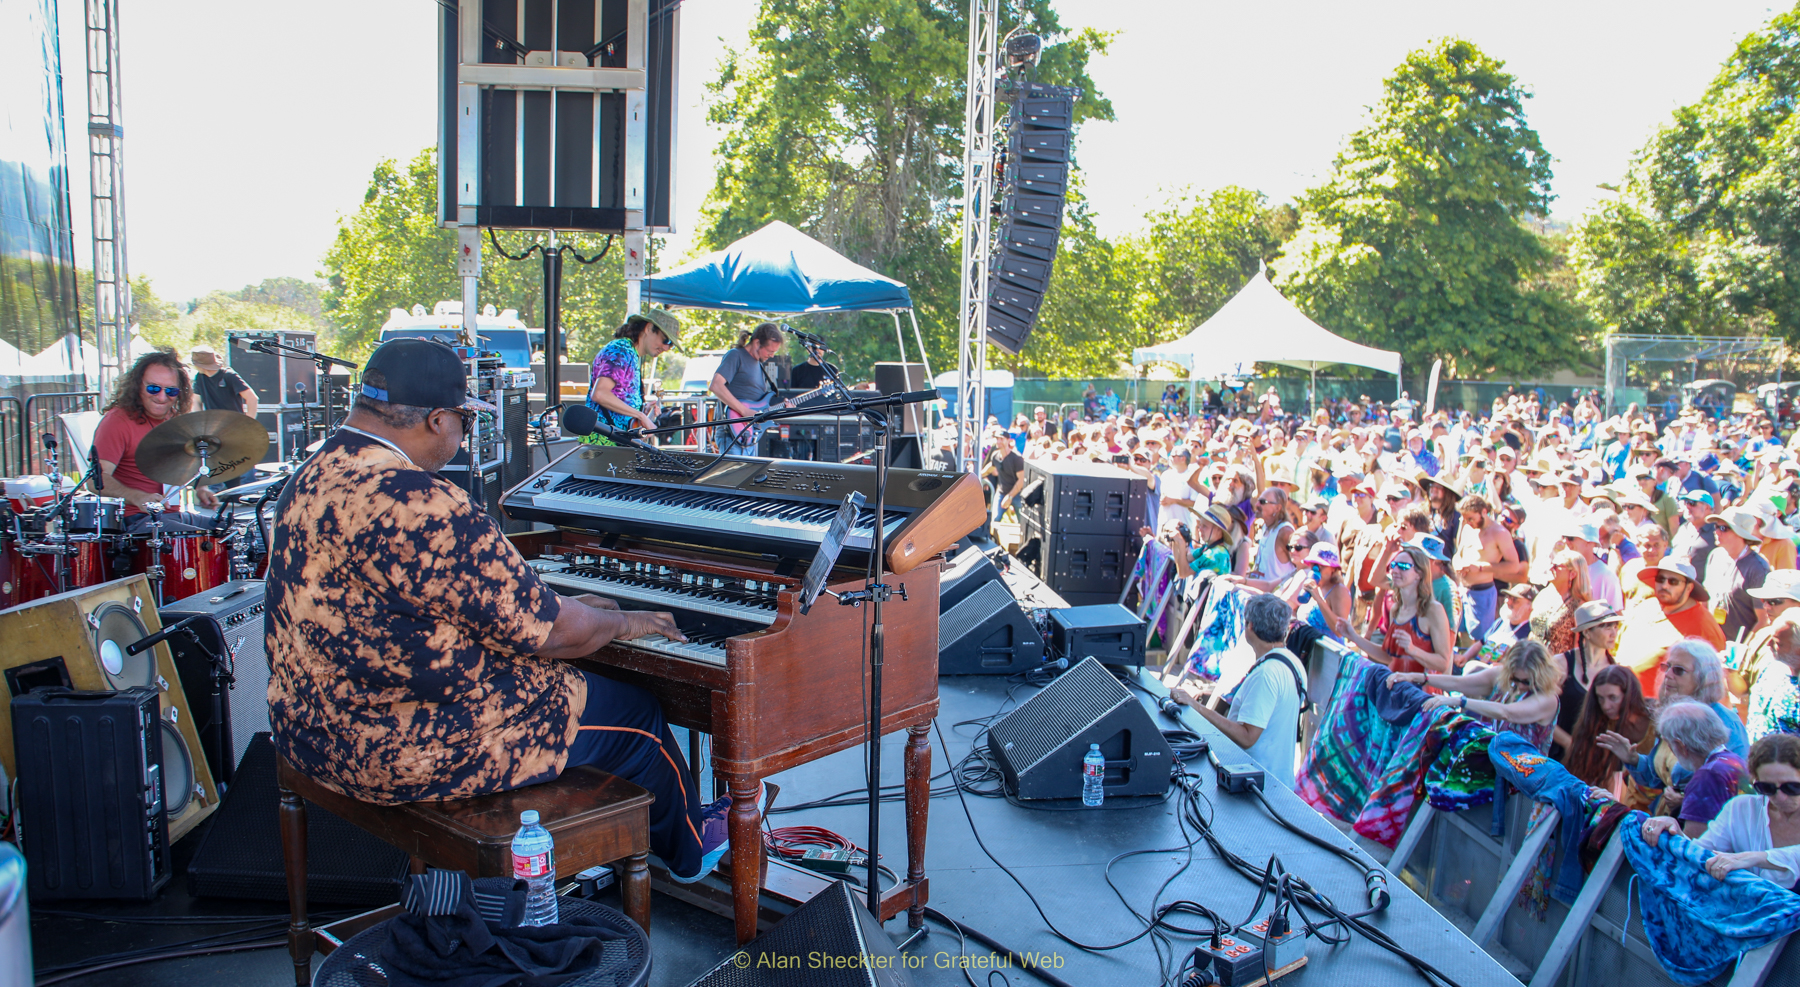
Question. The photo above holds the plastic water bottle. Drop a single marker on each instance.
(1093, 776)
(534, 862)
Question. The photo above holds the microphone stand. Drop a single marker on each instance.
(321, 361)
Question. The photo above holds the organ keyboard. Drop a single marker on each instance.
(722, 543)
(765, 506)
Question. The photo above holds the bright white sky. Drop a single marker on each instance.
(250, 127)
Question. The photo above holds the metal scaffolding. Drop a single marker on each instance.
(977, 242)
(106, 184)
(1625, 348)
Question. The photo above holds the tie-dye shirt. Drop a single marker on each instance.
(618, 362)
(401, 629)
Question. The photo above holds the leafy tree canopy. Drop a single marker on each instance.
(844, 118)
(1705, 233)
(391, 253)
(1417, 241)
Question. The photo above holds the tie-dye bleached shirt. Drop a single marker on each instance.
(401, 629)
(618, 362)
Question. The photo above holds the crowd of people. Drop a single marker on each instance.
(1619, 590)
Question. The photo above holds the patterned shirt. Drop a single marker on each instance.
(401, 627)
(1774, 703)
(618, 362)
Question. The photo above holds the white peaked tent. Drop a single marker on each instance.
(1259, 325)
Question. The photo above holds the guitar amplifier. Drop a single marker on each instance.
(92, 812)
(230, 624)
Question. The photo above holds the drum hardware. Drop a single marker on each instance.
(155, 570)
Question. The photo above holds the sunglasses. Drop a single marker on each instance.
(159, 389)
(1509, 522)
(1524, 683)
(1674, 671)
(1670, 580)
(1400, 565)
(1768, 788)
(468, 419)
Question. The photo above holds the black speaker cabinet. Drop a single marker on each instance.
(1039, 746)
(898, 378)
(1105, 631)
(833, 925)
(282, 379)
(92, 809)
(1084, 498)
(231, 625)
(982, 630)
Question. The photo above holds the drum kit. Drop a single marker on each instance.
(56, 538)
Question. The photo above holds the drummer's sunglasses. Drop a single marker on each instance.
(159, 389)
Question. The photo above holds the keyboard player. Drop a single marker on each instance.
(413, 651)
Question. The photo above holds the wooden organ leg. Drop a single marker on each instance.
(746, 855)
(918, 809)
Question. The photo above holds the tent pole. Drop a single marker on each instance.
(898, 338)
(1312, 392)
(920, 340)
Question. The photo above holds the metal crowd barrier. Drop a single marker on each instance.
(1474, 880)
(38, 418)
(13, 446)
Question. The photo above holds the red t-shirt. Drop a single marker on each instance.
(116, 441)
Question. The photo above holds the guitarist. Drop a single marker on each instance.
(741, 379)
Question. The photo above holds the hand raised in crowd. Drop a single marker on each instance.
(1618, 746)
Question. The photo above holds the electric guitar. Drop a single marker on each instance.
(746, 435)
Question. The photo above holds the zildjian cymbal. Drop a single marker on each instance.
(233, 443)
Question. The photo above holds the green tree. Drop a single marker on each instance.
(1704, 236)
(1196, 252)
(391, 253)
(1418, 240)
(844, 118)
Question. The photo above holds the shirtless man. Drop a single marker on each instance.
(1484, 552)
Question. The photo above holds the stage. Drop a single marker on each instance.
(1060, 856)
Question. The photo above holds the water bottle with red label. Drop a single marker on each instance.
(534, 862)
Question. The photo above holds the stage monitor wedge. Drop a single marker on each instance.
(1039, 746)
(833, 925)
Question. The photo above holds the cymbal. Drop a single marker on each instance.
(234, 442)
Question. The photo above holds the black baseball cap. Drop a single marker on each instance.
(423, 373)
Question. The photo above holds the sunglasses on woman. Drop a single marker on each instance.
(1768, 788)
(160, 389)
(1400, 565)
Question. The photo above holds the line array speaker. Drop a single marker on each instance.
(1039, 139)
(77, 640)
(230, 625)
(1039, 746)
(91, 793)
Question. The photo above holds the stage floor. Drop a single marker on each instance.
(1060, 856)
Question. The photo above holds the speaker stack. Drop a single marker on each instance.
(1040, 136)
(1080, 525)
(1039, 746)
(286, 387)
(77, 640)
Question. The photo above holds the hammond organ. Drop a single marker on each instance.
(723, 543)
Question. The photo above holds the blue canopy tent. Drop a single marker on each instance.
(779, 270)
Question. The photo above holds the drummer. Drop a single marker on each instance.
(146, 396)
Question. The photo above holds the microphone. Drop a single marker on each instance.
(583, 420)
(1169, 707)
(159, 637)
(914, 397)
(49, 441)
(538, 422)
(99, 474)
(802, 334)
